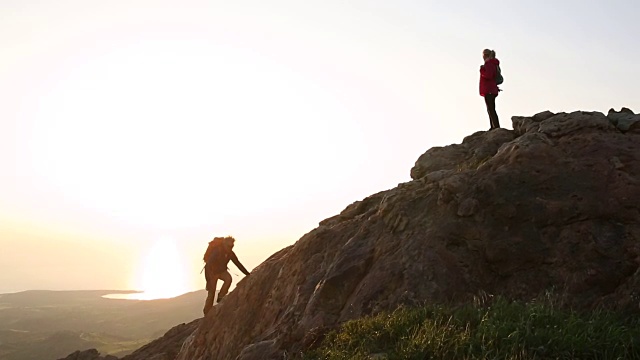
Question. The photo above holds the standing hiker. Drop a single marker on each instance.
(488, 86)
(216, 258)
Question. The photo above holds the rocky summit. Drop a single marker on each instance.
(549, 206)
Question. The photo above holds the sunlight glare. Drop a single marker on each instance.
(163, 273)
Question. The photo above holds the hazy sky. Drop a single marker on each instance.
(133, 128)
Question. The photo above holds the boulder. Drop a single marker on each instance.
(474, 150)
(624, 119)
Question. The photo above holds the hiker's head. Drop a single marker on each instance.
(488, 54)
(228, 242)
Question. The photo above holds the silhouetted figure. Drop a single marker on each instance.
(488, 87)
(216, 258)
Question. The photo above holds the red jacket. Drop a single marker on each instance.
(488, 77)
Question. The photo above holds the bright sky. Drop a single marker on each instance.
(135, 128)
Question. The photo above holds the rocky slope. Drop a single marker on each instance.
(166, 347)
(552, 204)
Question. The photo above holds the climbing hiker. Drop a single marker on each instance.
(216, 258)
(488, 86)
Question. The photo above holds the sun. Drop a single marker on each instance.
(162, 273)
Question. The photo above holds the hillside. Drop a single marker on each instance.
(51, 324)
(550, 205)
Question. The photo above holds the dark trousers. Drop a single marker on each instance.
(212, 283)
(490, 100)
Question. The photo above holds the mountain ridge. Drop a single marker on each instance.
(549, 205)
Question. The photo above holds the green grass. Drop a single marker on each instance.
(498, 329)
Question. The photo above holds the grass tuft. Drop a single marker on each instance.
(487, 329)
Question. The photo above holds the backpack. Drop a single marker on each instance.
(217, 241)
(499, 78)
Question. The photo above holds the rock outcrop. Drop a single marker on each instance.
(91, 354)
(166, 347)
(552, 204)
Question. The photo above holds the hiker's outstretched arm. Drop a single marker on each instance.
(235, 260)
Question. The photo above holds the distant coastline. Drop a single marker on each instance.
(2, 291)
(105, 294)
(131, 295)
(101, 293)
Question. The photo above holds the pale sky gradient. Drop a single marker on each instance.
(132, 126)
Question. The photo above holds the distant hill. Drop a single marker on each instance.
(43, 324)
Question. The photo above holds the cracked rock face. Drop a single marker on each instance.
(552, 204)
